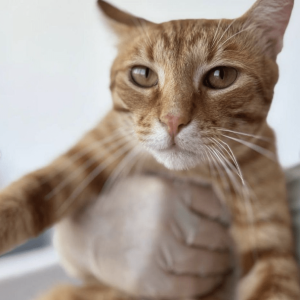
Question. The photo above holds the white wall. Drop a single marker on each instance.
(54, 66)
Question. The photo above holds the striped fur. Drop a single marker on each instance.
(216, 123)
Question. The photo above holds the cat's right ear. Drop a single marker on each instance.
(269, 19)
(120, 21)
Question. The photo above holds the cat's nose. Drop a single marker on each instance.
(173, 123)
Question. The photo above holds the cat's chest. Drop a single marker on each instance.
(127, 227)
(153, 198)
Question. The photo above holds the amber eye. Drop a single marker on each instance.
(144, 77)
(220, 77)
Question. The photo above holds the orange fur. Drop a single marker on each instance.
(181, 53)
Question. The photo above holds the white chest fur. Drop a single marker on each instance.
(132, 235)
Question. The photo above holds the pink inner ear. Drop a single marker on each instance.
(272, 17)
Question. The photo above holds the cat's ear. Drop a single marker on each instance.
(121, 21)
(269, 20)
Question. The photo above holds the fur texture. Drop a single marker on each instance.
(222, 139)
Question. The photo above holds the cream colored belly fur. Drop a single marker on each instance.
(118, 235)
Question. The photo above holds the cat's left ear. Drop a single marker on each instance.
(121, 21)
(269, 20)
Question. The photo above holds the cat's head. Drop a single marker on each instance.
(186, 82)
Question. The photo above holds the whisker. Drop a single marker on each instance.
(128, 161)
(222, 161)
(231, 155)
(226, 31)
(221, 173)
(232, 37)
(87, 164)
(212, 171)
(238, 189)
(215, 36)
(242, 191)
(245, 194)
(119, 133)
(269, 154)
(100, 168)
(231, 166)
(245, 134)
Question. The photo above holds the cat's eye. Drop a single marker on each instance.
(221, 77)
(144, 77)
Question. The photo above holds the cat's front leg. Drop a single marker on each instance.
(263, 235)
(40, 199)
(274, 274)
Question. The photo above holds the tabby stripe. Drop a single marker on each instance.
(273, 285)
(249, 258)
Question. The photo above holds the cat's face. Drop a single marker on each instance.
(183, 81)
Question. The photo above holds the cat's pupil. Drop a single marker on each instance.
(147, 72)
(219, 73)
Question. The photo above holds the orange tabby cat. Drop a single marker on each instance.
(195, 94)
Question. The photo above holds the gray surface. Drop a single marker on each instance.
(30, 286)
(293, 183)
(41, 241)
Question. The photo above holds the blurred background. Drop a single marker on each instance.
(55, 57)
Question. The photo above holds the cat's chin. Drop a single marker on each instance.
(176, 160)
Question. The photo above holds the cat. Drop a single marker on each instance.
(190, 100)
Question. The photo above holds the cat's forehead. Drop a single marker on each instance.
(180, 38)
(180, 43)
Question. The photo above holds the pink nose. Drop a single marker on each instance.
(173, 123)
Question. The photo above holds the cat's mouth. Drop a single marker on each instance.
(176, 149)
(176, 158)
(172, 147)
